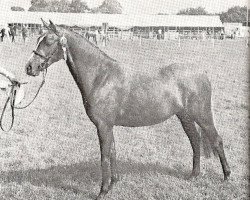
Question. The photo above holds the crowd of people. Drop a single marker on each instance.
(12, 31)
(9, 33)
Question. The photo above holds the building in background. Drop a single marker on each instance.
(237, 28)
(143, 25)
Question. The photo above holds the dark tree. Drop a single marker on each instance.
(78, 6)
(109, 6)
(17, 8)
(38, 5)
(64, 6)
(58, 6)
(193, 11)
(235, 14)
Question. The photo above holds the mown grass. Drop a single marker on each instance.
(53, 153)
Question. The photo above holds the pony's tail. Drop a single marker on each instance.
(207, 148)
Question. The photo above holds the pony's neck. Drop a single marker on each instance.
(86, 62)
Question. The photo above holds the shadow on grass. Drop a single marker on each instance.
(83, 177)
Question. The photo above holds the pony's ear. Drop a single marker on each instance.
(46, 25)
(52, 26)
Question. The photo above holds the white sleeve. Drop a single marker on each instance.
(7, 74)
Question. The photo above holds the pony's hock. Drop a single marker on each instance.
(112, 98)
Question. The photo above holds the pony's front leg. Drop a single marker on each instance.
(105, 135)
(114, 173)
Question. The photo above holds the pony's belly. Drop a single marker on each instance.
(135, 122)
(145, 117)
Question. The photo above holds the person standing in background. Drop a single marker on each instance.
(2, 34)
(40, 32)
(159, 34)
(24, 33)
(12, 33)
(8, 34)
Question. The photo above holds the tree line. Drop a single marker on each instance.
(233, 14)
(73, 6)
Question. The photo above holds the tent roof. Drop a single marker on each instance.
(119, 20)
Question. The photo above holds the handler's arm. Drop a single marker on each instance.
(7, 74)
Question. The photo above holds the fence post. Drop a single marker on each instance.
(213, 37)
(105, 28)
(213, 41)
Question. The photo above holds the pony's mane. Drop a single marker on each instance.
(86, 40)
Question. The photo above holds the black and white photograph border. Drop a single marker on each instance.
(124, 100)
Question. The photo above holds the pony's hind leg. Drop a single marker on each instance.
(204, 118)
(201, 111)
(216, 142)
(194, 137)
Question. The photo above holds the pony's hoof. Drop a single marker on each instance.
(115, 179)
(193, 175)
(227, 175)
(102, 194)
(99, 197)
(112, 183)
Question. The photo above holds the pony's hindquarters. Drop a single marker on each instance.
(196, 94)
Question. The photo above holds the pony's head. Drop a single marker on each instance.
(51, 47)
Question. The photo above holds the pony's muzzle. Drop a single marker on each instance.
(28, 69)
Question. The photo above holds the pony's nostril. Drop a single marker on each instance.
(28, 68)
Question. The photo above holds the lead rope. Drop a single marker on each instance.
(12, 98)
(41, 85)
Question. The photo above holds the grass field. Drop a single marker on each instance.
(53, 152)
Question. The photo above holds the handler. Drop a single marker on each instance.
(5, 85)
(7, 74)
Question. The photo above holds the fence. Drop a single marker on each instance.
(142, 33)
